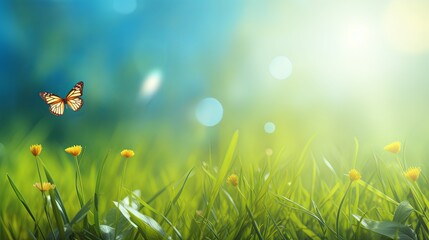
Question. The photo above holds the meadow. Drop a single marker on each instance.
(233, 187)
(214, 119)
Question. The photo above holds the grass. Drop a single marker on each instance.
(284, 193)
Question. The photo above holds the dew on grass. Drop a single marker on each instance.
(281, 67)
(269, 127)
(209, 112)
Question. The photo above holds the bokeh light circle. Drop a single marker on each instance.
(269, 127)
(281, 67)
(151, 84)
(209, 112)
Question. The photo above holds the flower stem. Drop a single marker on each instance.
(119, 196)
(45, 202)
(79, 186)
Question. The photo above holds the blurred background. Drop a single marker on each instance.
(195, 71)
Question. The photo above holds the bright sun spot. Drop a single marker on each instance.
(357, 35)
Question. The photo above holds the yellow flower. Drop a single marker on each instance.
(74, 150)
(232, 180)
(127, 153)
(46, 186)
(354, 175)
(413, 173)
(36, 149)
(394, 147)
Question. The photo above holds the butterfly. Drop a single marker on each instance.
(56, 103)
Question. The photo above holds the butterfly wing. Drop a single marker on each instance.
(73, 97)
(56, 103)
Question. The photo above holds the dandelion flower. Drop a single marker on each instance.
(413, 173)
(232, 180)
(127, 153)
(394, 147)
(46, 186)
(74, 150)
(36, 149)
(354, 175)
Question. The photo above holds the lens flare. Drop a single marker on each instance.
(269, 127)
(209, 112)
(281, 67)
(151, 84)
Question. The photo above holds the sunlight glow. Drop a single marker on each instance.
(281, 67)
(406, 25)
(209, 112)
(357, 35)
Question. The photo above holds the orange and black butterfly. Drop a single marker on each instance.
(56, 103)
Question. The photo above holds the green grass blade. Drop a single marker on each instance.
(78, 190)
(310, 233)
(82, 212)
(303, 154)
(21, 198)
(157, 194)
(300, 208)
(209, 174)
(173, 202)
(231, 200)
(57, 196)
(329, 165)
(393, 230)
(254, 223)
(24, 203)
(377, 192)
(276, 225)
(57, 215)
(148, 227)
(320, 216)
(97, 194)
(5, 231)
(146, 205)
(403, 211)
(337, 219)
(221, 177)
